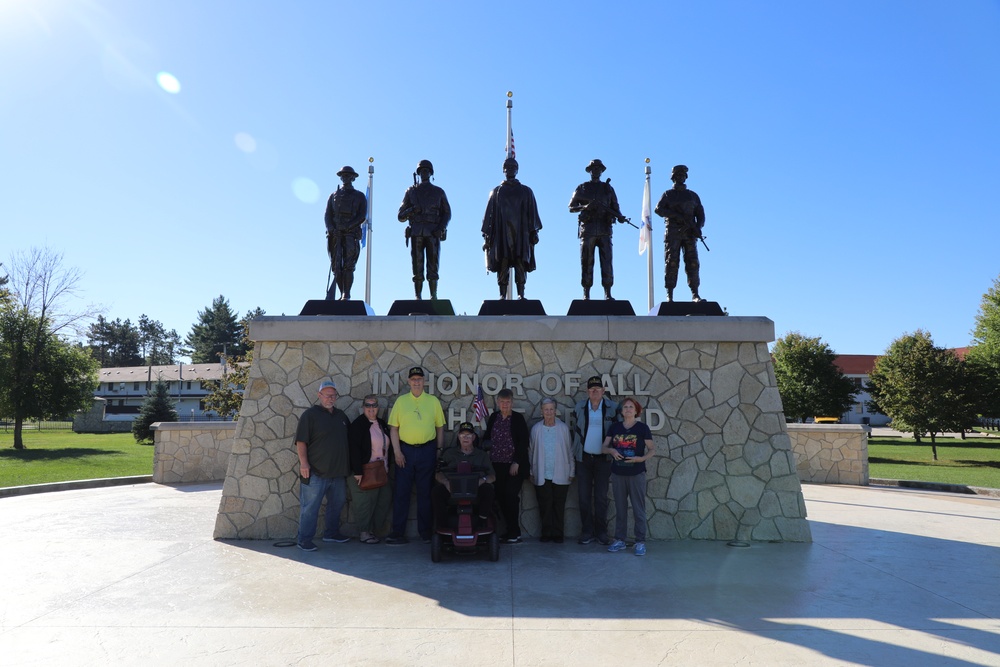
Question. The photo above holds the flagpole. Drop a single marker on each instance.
(649, 250)
(510, 154)
(368, 222)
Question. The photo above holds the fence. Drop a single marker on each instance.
(8, 425)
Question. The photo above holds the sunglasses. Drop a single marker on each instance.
(371, 405)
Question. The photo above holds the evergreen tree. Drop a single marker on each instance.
(809, 381)
(156, 408)
(158, 346)
(114, 343)
(216, 332)
(226, 396)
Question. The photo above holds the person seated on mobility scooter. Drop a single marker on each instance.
(465, 477)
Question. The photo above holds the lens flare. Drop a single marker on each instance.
(305, 190)
(245, 142)
(168, 82)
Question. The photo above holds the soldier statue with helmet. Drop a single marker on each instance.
(346, 211)
(426, 210)
(685, 216)
(597, 204)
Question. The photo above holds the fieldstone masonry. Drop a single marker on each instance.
(191, 451)
(830, 453)
(724, 467)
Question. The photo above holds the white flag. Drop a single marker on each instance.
(646, 228)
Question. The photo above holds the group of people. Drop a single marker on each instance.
(510, 229)
(607, 446)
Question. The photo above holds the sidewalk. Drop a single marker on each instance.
(131, 576)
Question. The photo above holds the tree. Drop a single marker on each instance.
(809, 381)
(925, 389)
(226, 396)
(114, 343)
(984, 354)
(158, 346)
(41, 375)
(156, 408)
(217, 332)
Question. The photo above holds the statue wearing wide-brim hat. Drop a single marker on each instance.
(596, 164)
(346, 170)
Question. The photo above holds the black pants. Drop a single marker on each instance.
(552, 507)
(593, 475)
(603, 246)
(509, 497)
(419, 245)
(441, 499)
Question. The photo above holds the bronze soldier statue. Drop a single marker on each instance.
(510, 230)
(685, 217)
(345, 213)
(425, 207)
(597, 204)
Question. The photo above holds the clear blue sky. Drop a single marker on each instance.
(845, 151)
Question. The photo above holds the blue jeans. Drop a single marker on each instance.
(311, 495)
(421, 463)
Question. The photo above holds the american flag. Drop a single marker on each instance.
(479, 405)
(510, 144)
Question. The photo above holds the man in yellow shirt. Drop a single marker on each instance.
(416, 428)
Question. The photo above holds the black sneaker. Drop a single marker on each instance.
(512, 540)
(396, 541)
(336, 538)
(426, 539)
(604, 539)
(308, 545)
(585, 539)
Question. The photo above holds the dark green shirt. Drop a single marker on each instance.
(325, 435)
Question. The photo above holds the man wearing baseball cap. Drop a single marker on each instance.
(321, 444)
(416, 428)
(594, 416)
(480, 462)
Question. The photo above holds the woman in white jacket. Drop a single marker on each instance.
(550, 451)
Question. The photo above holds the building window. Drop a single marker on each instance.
(135, 386)
(149, 386)
(189, 384)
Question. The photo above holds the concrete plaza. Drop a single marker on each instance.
(131, 576)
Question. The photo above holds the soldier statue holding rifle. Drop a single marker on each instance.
(425, 207)
(685, 217)
(597, 204)
(346, 211)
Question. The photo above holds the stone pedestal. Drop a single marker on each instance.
(723, 468)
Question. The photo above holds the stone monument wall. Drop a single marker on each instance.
(191, 451)
(830, 453)
(723, 468)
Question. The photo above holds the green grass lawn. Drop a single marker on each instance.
(59, 456)
(972, 462)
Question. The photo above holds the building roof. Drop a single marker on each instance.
(172, 373)
(862, 364)
(855, 364)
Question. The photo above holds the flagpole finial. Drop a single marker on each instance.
(510, 93)
(371, 165)
(648, 170)
(647, 160)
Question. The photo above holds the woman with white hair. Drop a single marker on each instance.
(550, 450)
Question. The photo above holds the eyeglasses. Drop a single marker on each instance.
(371, 405)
